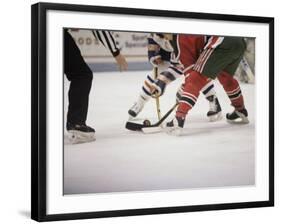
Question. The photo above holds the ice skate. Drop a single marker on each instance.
(238, 117)
(80, 133)
(175, 126)
(214, 113)
(136, 108)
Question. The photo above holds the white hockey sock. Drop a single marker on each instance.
(208, 89)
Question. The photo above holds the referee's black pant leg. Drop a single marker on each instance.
(80, 76)
(78, 96)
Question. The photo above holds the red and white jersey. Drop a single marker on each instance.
(187, 49)
(190, 48)
(213, 42)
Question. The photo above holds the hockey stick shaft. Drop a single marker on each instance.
(165, 116)
(157, 100)
(246, 67)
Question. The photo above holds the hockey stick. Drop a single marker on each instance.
(246, 67)
(139, 127)
(157, 100)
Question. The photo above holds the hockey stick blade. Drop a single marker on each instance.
(133, 126)
(152, 130)
(138, 127)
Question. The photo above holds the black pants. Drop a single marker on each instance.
(80, 76)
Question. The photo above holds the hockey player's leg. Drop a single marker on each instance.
(214, 113)
(226, 56)
(145, 93)
(188, 98)
(144, 97)
(232, 88)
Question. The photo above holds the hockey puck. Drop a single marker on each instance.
(146, 123)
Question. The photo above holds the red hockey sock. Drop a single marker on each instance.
(192, 86)
(232, 89)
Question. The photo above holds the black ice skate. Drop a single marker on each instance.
(238, 117)
(80, 133)
(214, 113)
(175, 126)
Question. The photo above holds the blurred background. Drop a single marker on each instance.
(134, 47)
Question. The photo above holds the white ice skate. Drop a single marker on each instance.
(214, 113)
(136, 109)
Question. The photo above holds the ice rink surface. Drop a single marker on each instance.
(207, 155)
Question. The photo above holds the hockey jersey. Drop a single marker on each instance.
(187, 49)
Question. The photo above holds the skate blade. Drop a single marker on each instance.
(240, 120)
(77, 137)
(151, 130)
(174, 131)
(215, 117)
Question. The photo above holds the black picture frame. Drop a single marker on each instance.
(39, 116)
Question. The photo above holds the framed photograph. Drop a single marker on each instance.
(139, 111)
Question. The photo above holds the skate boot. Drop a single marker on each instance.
(175, 126)
(80, 133)
(238, 117)
(214, 113)
(136, 108)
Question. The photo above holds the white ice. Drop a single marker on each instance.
(207, 155)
